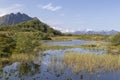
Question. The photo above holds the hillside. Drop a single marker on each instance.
(33, 25)
(24, 37)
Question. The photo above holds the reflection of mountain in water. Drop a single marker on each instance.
(52, 67)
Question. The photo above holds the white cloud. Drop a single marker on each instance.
(10, 9)
(64, 30)
(50, 7)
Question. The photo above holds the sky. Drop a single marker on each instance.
(69, 15)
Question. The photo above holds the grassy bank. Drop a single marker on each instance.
(91, 62)
(96, 37)
(23, 58)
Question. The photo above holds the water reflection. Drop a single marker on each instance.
(18, 71)
(70, 43)
(52, 67)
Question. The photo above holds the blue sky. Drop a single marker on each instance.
(69, 15)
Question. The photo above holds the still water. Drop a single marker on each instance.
(52, 66)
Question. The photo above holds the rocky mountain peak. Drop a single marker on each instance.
(13, 18)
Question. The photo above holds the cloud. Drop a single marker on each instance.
(64, 30)
(10, 9)
(58, 25)
(50, 7)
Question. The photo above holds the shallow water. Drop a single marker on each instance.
(53, 67)
(70, 43)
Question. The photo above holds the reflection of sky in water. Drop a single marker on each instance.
(52, 67)
(69, 43)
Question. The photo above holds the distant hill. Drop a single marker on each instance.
(97, 32)
(14, 18)
(34, 25)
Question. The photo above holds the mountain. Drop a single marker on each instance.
(34, 25)
(14, 18)
(111, 32)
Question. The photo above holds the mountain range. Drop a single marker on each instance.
(12, 18)
(103, 32)
(21, 22)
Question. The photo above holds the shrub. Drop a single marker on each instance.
(26, 42)
(7, 44)
(115, 39)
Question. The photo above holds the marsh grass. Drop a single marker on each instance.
(28, 69)
(94, 44)
(81, 37)
(4, 62)
(27, 57)
(92, 62)
(56, 65)
(23, 58)
(64, 38)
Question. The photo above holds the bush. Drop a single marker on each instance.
(7, 44)
(115, 39)
(26, 42)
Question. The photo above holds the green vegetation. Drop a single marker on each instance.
(114, 47)
(22, 41)
(26, 42)
(115, 39)
(91, 62)
(7, 44)
(31, 26)
(23, 58)
(93, 45)
(19, 46)
(95, 37)
(28, 69)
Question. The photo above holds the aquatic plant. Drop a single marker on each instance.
(92, 62)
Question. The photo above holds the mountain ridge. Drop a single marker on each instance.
(34, 25)
(103, 32)
(14, 18)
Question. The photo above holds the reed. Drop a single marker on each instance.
(23, 58)
(92, 62)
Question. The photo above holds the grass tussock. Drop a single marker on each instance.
(23, 58)
(64, 38)
(96, 37)
(92, 62)
(94, 44)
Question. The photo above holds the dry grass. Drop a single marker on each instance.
(92, 62)
(64, 38)
(23, 58)
(4, 62)
(80, 37)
